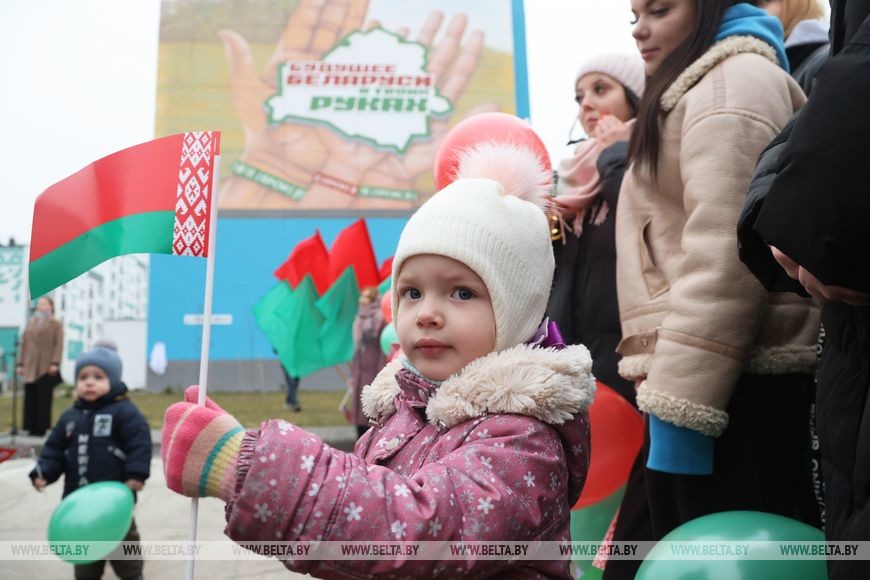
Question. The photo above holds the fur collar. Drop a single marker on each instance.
(550, 385)
(718, 52)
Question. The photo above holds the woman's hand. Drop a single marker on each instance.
(816, 288)
(53, 369)
(610, 130)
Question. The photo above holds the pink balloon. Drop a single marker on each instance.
(484, 128)
(386, 306)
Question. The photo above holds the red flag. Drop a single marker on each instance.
(353, 247)
(386, 269)
(151, 198)
(6, 453)
(308, 257)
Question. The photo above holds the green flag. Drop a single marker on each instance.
(292, 323)
(338, 306)
(264, 313)
(384, 286)
(301, 354)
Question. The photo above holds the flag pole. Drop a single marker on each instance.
(206, 339)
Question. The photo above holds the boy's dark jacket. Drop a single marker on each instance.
(115, 443)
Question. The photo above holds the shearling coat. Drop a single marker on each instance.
(41, 347)
(498, 451)
(693, 317)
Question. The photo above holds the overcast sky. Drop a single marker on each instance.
(80, 83)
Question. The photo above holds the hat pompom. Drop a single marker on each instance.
(516, 168)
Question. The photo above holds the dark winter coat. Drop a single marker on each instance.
(807, 49)
(104, 440)
(583, 298)
(816, 211)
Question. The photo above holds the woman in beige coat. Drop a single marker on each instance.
(723, 368)
(39, 365)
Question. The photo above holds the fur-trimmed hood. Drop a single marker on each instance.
(718, 52)
(547, 384)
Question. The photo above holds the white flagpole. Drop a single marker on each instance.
(206, 338)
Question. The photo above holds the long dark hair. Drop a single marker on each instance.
(643, 149)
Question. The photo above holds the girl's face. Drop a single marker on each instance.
(598, 95)
(92, 383)
(772, 7)
(445, 318)
(660, 26)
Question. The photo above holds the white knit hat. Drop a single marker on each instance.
(627, 69)
(486, 225)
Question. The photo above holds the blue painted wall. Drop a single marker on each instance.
(248, 251)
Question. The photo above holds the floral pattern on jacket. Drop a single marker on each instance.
(499, 451)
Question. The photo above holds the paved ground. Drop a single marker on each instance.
(160, 515)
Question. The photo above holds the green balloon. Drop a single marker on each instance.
(736, 526)
(388, 337)
(99, 512)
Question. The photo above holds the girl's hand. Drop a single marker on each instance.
(200, 448)
(134, 484)
(610, 130)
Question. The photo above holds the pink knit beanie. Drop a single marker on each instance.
(627, 69)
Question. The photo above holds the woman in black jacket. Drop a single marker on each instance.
(812, 207)
(583, 299)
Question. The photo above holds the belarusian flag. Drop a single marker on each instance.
(7, 453)
(152, 198)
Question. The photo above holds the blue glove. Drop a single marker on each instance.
(679, 450)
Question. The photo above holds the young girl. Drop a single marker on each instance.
(583, 300)
(480, 433)
(724, 368)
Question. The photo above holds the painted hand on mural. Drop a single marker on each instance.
(297, 152)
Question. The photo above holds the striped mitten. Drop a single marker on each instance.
(200, 448)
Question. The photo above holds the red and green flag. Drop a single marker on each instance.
(339, 307)
(386, 270)
(353, 247)
(291, 322)
(7, 453)
(309, 323)
(151, 198)
(310, 256)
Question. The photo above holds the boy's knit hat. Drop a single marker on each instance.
(483, 219)
(626, 69)
(105, 358)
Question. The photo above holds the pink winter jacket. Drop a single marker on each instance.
(503, 456)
